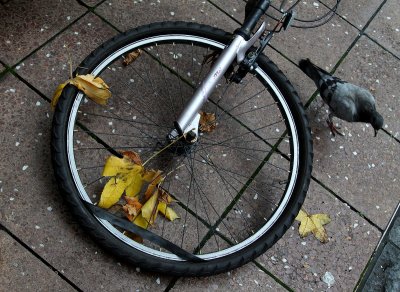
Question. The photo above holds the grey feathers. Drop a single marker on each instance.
(346, 101)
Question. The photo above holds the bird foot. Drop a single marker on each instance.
(334, 130)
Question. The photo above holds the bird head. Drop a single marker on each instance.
(376, 121)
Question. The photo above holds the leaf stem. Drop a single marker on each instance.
(158, 152)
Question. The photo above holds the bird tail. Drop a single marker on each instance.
(311, 70)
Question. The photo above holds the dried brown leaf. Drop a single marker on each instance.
(207, 122)
(131, 57)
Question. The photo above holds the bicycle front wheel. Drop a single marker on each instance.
(237, 189)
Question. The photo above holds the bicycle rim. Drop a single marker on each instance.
(243, 192)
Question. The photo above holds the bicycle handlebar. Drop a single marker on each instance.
(250, 22)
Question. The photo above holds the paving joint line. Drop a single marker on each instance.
(23, 80)
(347, 203)
(340, 16)
(106, 21)
(171, 284)
(279, 281)
(381, 46)
(35, 254)
(50, 39)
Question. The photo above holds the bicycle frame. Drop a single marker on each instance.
(241, 43)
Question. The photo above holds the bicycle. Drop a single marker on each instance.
(238, 187)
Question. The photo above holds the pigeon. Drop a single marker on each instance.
(346, 101)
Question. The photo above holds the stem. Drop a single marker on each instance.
(158, 152)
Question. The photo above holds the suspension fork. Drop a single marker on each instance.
(189, 118)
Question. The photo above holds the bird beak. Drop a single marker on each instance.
(376, 132)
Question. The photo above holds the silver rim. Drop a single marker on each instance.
(161, 254)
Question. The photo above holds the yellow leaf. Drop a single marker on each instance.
(94, 87)
(113, 191)
(168, 212)
(136, 185)
(140, 221)
(319, 231)
(164, 196)
(313, 224)
(149, 209)
(115, 166)
(57, 94)
(150, 175)
(301, 215)
(156, 180)
(322, 218)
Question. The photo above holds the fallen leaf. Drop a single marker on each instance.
(131, 57)
(140, 221)
(128, 175)
(157, 178)
(125, 176)
(115, 165)
(113, 191)
(133, 236)
(56, 95)
(150, 175)
(135, 186)
(132, 208)
(149, 209)
(207, 122)
(164, 196)
(168, 212)
(313, 224)
(94, 87)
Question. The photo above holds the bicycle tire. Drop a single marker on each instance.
(268, 74)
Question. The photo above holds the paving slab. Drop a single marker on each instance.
(50, 66)
(247, 278)
(360, 168)
(22, 271)
(385, 28)
(32, 209)
(27, 25)
(130, 14)
(301, 263)
(357, 12)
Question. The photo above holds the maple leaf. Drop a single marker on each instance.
(313, 224)
(94, 87)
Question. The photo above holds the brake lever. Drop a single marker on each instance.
(288, 19)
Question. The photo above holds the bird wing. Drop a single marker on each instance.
(327, 85)
(343, 102)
